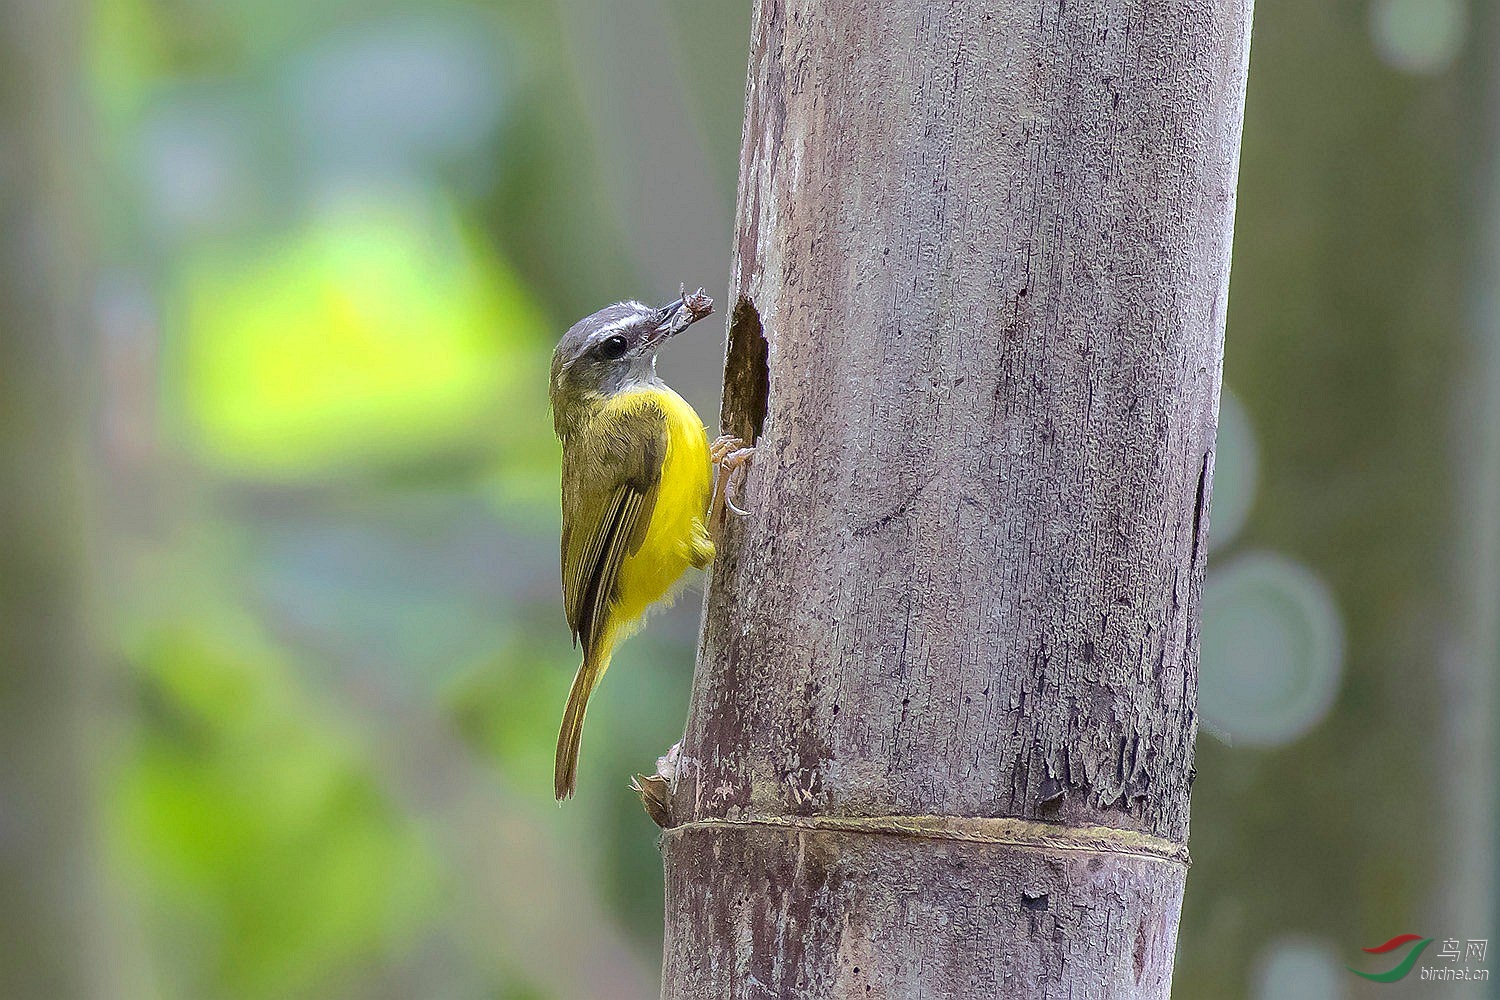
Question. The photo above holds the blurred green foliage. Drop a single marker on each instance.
(504, 707)
(374, 335)
(336, 241)
(273, 865)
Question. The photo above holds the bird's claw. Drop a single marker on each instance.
(731, 460)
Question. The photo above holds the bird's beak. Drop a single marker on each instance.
(678, 316)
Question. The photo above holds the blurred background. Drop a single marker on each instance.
(283, 652)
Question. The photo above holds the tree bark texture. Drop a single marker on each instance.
(978, 302)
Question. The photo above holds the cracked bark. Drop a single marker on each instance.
(980, 278)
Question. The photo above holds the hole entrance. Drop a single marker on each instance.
(747, 374)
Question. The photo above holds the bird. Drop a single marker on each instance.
(642, 487)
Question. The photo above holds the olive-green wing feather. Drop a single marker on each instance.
(610, 482)
(611, 477)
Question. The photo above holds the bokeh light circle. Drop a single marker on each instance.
(1272, 650)
(1298, 968)
(1421, 37)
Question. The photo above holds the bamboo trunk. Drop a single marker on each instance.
(941, 732)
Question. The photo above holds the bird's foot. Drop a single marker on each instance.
(731, 460)
(722, 446)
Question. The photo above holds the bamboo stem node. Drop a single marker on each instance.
(1006, 831)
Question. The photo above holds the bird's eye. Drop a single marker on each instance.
(613, 348)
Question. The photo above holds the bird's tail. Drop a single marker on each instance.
(565, 771)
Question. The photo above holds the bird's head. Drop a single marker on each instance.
(614, 349)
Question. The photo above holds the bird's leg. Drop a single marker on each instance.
(730, 459)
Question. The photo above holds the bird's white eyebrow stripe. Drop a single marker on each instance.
(620, 324)
(615, 327)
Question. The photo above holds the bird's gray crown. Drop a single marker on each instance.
(604, 353)
(613, 349)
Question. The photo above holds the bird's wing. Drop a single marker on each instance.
(611, 475)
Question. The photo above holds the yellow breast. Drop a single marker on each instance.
(678, 537)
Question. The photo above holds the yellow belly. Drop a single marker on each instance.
(678, 537)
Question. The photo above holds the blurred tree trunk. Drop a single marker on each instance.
(47, 890)
(1469, 893)
(979, 294)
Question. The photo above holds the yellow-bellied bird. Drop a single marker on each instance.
(637, 485)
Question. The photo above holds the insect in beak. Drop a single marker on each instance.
(674, 317)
